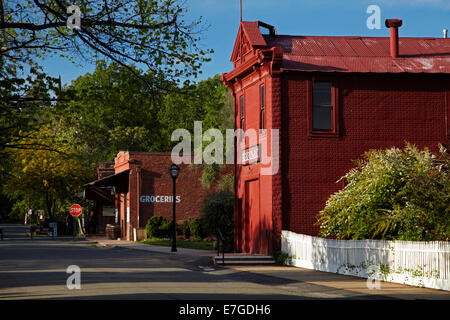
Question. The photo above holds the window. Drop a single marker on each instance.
(242, 113)
(322, 107)
(263, 105)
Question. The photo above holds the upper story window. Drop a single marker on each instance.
(242, 113)
(322, 115)
(263, 109)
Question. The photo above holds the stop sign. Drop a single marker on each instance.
(75, 210)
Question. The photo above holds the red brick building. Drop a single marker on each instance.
(332, 98)
(104, 201)
(140, 188)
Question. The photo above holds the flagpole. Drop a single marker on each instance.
(241, 10)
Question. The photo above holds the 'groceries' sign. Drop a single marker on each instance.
(159, 199)
(251, 155)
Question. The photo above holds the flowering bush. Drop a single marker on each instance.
(392, 194)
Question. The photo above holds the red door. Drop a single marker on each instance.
(253, 228)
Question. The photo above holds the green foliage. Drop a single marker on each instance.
(192, 227)
(226, 183)
(156, 34)
(51, 177)
(213, 173)
(197, 228)
(281, 258)
(25, 103)
(210, 175)
(208, 101)
(218, 213)
(167, 229)
(184, 228)
(112, 106)
(105, 112)
(158, 227)
(36, 163)
(392, 194)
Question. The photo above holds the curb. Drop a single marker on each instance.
(157, 249)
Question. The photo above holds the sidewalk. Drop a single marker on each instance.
(146, 247)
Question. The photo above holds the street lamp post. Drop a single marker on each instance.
(174, 171)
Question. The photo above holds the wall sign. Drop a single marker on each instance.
(158, 199)
(251, 155)
(108, 211)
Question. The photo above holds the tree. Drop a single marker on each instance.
(110, 110)
(116, 109)
(392, 194)
(51, 176)
(218, 214)
(24, 102)
(153, 33)
(208, 101)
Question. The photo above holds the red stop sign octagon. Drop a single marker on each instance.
(75, 210)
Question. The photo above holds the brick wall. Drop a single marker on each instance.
(151, 188)
(375, 112)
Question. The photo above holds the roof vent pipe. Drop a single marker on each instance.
(394, 24)
(445, 33)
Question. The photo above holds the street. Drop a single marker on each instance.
(36, 269)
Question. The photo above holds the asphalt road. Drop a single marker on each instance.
(36, 269)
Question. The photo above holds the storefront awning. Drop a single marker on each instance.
(106, 188)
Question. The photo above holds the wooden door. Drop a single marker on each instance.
(254, 240)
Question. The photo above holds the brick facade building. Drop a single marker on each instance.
(332, 99)
(140, 188)
(104, 202)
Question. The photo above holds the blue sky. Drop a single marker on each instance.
(421, 18)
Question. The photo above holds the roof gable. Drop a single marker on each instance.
(249, 38)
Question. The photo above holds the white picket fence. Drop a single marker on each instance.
(424, 264)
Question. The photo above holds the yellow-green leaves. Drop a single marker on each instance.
(392, 194)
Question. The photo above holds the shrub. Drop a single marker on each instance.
(167, 229)
(157, 227)
(281, 258)
(185, 228)
(392, 194)
(197, 228)
(218, 213)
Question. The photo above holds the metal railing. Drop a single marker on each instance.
(221, 238)
(269, 240)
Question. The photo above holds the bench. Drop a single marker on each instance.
(41, 230)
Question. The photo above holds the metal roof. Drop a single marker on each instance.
(361, 54)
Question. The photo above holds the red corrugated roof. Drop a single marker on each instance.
(361, 54)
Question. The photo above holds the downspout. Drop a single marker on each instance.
(447, 132)
(139, 191)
